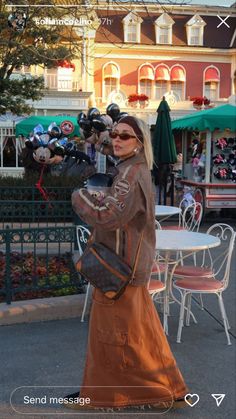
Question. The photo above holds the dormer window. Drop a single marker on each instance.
(163, 29)
(132, 27)
(195, 30)
(131, 32)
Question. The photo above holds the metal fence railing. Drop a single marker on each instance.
(25, 205)
(37, 261)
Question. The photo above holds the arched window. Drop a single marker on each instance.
(111, 79)
(178, 79)
(146, 77)
(162, 81)
(211, 83)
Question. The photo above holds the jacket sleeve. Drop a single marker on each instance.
(125, 200)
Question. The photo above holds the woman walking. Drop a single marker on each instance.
(129, 362)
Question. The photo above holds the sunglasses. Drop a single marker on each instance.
(123, 136)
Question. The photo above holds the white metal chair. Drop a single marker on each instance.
(211, 277)
(82, 235)
(189, 219)
(156, 285)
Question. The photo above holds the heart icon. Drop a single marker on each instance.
(192, 399)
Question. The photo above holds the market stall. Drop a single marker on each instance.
(209, 155)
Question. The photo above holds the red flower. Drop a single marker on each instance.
(133, 98)
(143, 97)
(200, 100)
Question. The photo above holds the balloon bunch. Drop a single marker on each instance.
(94, 127)
(50, 147)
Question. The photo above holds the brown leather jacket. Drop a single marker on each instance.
(120, 218)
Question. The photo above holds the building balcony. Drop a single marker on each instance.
(61, 101)
(53, 82)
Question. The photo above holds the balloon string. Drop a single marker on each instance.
(38, 185)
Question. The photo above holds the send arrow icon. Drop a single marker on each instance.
(218, 398)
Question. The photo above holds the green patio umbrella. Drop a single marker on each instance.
(164, 149)
(27, 125)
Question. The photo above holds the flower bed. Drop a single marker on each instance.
(39, 276)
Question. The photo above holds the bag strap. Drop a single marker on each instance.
(137, 256)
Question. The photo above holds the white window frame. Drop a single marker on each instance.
(140, 91)
(162, 89)
(176, 92)
(183, 96)
(163, 22)
(196, 22)
(106, 92)
(205, 93)
(132, 32)
(132, 19)
(104, 98)
(159, 35)
(146, 90)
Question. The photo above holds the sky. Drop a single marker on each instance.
(225, 3)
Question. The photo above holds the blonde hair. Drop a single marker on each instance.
(147, 144)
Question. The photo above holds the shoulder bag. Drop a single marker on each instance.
(106, 270)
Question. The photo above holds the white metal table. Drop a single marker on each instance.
(166, 211)
(172, 241)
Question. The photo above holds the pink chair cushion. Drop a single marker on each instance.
(199, 284)
(158, 268)
(155, 285)
(174, 227)
(192, 271)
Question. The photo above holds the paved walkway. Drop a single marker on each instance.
(52, 353)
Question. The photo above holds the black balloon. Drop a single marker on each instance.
(113, 111)
(92, 113)
(80, 117)
(121, 115)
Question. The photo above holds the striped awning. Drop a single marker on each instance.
(111, 71)
(162, 73)
(146, 72)
(212, 74)
(177, 74)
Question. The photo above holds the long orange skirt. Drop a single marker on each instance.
(129, 361)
